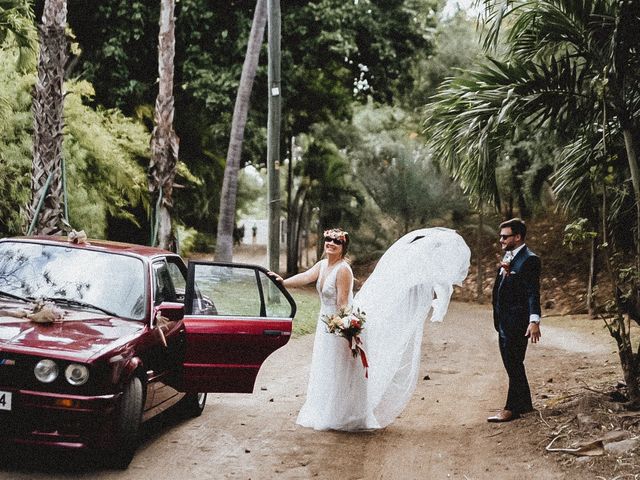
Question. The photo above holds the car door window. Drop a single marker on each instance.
(238, 291)
(276, 303)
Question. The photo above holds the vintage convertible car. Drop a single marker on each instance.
(97, 337)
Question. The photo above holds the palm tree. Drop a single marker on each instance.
(571, 67)
(45, 213)
(226, 218)
(164, 141)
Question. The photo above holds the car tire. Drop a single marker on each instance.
(193, 404)
(128, 424)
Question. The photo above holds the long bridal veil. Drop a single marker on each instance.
(416, 274)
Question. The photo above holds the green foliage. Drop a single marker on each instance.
(105, 151)
(17, 30)
(102, 151)
(330, 48)
(552, 77)
(456, 48)
(332, 190)
(191, 241)
(525, 165)
(15, 154)
(398, 172)
(578, 232)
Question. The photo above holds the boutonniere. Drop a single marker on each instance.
(505, 268)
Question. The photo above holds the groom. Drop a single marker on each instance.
(516, 314)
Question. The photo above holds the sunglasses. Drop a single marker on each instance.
(504, 237)
(336, 241)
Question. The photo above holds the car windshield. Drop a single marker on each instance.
(108, 281)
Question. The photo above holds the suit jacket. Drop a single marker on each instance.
(517, 295)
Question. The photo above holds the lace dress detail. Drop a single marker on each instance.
(337, 383)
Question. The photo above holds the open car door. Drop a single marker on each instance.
(236, 316)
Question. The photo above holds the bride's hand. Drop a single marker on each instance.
(275, 276)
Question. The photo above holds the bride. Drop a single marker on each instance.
(397, 297)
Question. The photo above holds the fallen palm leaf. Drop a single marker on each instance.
(591, 449)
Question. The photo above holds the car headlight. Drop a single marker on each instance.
(46, 370)
(76, 374)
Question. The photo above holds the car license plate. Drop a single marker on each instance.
(5, 400)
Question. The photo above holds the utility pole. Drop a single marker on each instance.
(273, 134)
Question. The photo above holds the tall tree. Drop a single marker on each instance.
(226, 218)
(45, 212)
(164, 141)
(274, 90)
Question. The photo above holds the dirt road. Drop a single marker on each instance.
(443, 433)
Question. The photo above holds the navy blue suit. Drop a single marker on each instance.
(515, 297)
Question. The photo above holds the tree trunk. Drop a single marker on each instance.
(633, 386)
(591, 303)
(227, 215)
(307, 234)
(273, 134)
(632, 158)
(292, 249)
(300, 219)
(48, 109)
(479, 265)
(164, 141)
(619, 329)
(293, 230)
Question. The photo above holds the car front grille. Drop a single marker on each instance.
(16, 372)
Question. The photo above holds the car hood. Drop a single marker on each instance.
(79, 336)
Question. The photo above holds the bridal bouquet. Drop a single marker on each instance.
(348, 323)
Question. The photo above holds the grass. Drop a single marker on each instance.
(308, 309)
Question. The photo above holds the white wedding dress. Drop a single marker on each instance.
(337, 382)
(415, 276)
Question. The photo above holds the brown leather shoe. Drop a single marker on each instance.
(502, 416)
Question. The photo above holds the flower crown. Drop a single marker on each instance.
(336, 233)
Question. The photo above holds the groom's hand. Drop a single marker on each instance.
(533, 332)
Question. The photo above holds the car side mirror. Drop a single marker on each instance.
(172, 311)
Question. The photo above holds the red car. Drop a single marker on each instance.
(97, 337)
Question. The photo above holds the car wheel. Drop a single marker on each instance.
(193, 404)
(128, 424)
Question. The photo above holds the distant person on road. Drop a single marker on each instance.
(238, 235)
(254, 234)
(516, 314)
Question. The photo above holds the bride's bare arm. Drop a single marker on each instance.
(344, 280)
(300, 279)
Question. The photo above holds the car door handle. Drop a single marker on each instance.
(272, 333)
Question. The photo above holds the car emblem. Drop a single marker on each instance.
(7, 361)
